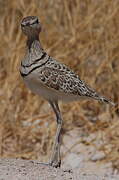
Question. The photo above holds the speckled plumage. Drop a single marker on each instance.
(55, 75)
(49, 78)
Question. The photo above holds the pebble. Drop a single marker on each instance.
(99, 155)
(74, 161)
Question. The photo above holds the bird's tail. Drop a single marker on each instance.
(105, 100)
(93, 94)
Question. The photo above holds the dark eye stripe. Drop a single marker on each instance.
(26, 24)
(36, 22)
(22, 25)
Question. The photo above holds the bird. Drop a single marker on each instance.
(52, 80)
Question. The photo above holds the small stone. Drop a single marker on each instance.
(99, 155)
(74, 161)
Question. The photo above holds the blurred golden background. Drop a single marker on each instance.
(83, 34)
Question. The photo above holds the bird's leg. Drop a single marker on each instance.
(55, 158)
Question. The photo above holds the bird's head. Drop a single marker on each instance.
(30, 25)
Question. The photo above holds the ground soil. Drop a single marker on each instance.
(16, 169)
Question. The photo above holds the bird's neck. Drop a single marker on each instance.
(34, 48)
(31, 40)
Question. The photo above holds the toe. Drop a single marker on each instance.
(55, 164)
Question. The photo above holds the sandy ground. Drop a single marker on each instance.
(83, 162)
(17, 169)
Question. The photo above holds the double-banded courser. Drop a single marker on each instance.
(51, 79)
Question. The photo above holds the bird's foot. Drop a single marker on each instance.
(55, 164)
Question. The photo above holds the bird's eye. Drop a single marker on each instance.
(37, 21)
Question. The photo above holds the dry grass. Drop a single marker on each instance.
(83, 35)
